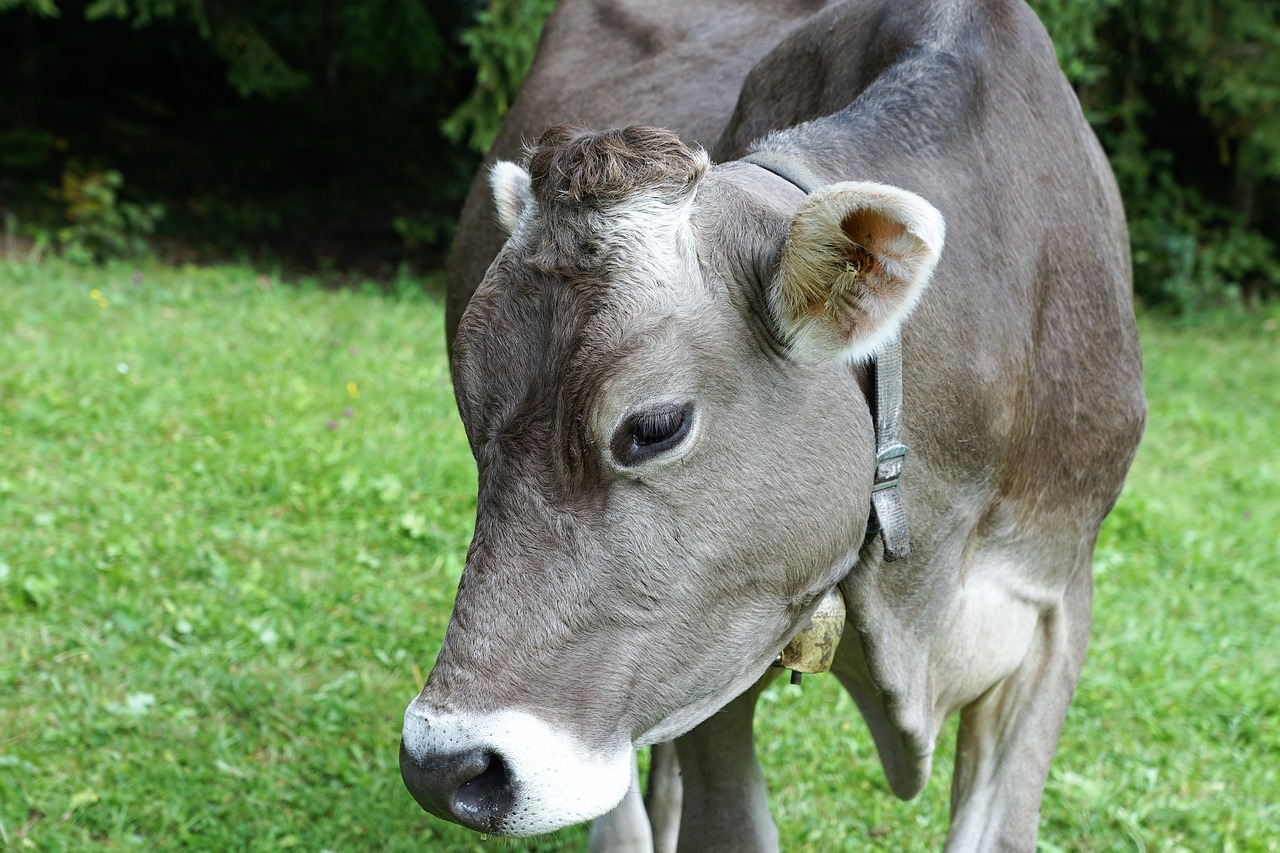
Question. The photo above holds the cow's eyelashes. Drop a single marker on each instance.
(643, 435)
(652, 428)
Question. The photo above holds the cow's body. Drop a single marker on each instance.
(619, 594)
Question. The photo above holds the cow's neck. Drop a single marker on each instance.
(888, 512)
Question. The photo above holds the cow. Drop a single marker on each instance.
(689, 380)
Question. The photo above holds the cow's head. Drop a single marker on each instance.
(674, 457)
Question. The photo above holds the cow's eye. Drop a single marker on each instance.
(644, 435)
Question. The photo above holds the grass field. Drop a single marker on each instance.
(233, 512)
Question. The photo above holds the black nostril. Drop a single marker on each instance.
(472, 787)
(486, 796)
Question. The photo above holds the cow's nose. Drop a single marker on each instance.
(472, 787)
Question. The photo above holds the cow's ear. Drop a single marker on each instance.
(856, 259)
(512, 194)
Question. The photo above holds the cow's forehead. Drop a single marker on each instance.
(582, 285)
(650, 271)
(542, 340)
(605, 258)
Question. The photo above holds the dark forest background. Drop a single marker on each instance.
(336, 136)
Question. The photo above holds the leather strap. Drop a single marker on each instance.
(888, 511)
(790, 168)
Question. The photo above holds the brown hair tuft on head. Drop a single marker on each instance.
(577, 165)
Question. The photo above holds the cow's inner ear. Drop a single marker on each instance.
(512, 194)
(856, 259)
(870, 233)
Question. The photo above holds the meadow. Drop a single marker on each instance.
(233, 513)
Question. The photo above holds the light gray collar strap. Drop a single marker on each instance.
(891, 454)
(888, 512)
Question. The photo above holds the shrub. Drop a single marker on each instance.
(501, 43)
(1185, 96)
(102, 226)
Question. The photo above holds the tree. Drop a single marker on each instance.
(272, 120)
(1185, 95)
(365, 119)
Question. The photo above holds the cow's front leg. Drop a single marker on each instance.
(1008, 735)
(725, 805)
(625, 829)
(664, 797)
(648, 825)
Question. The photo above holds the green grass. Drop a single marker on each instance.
(233, 512)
